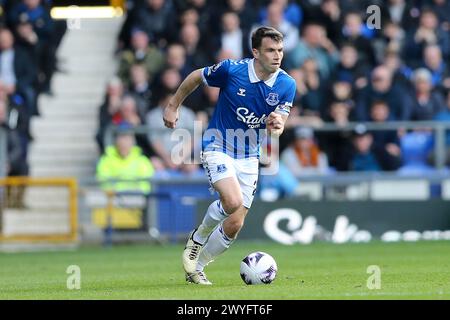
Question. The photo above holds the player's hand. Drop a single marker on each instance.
(274, 121)
(170, 116)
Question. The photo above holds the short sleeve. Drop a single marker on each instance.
(287, 99)
(216, 75)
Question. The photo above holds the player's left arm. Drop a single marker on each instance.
(275, 123)
(277, 118)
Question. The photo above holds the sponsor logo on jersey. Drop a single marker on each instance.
(252, 121)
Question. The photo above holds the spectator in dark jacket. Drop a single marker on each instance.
(364, 158)
(424, 103)
(381, 88)
(386, 145)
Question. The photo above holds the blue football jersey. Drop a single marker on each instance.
(238, 124)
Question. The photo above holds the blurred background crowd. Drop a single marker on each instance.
(345, 72)
(29, 39)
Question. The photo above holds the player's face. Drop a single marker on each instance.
(270, 54)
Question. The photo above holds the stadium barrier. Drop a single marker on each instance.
(38, 210)
(439, 130)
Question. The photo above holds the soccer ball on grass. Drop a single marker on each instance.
(258, 268)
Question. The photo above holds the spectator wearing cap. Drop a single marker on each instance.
(303, 156)
(363, 159)
(124, 161)
(141, 52)
(386, 143)
(424, 102)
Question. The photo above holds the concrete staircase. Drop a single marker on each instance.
(65, 133)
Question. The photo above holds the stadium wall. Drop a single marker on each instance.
(292, 221)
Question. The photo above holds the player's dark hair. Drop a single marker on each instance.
(264, 32)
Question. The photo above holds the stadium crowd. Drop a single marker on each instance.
(29, 38)
(345, 71)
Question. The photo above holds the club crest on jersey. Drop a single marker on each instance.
(272, 99)
(221, 168)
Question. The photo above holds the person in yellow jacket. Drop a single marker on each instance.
(124, 161)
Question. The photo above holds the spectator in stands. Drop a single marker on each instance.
(27, 64)
(391, 39)
(109, 107)
(442, 9)
(440, 70)
(364, 158)
(139, 87)
(161, 140)
(303, 156)
(313, 92)
(350, 67)
(427, 33)
(353, 32)
(34, 12)
(424, 103)
(276, 19)
(176, 58)
(337, 145)
(400, 12)
(124, 161)
(196, 57)
(292, 12)
(168, 80)
(314, 44)
(246, 12)
(401, 73)
(15, 166)
(386, 145)
(154, 17)
(141, 52)
(232, 38)
(129, 113)
(381, 87)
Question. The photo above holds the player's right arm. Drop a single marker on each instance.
(214, 76)
(192, 81)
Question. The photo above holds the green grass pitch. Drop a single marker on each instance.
(418, 270)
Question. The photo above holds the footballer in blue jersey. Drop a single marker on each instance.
(254, 101)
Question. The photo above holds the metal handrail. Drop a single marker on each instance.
(438, 127)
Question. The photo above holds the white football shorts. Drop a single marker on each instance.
(219, 165)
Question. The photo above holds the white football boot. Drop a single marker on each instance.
(199, 277)
(190, 255)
